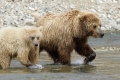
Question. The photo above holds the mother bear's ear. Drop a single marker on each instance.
(84, 21)
(82, 18)
(88, 19)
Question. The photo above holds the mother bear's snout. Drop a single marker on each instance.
(101, 35)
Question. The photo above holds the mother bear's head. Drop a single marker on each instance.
(91, 24)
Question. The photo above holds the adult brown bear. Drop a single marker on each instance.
(62, 33)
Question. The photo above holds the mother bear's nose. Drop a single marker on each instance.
(101, 35)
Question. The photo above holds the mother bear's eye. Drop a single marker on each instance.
(32, 38)
(94, 26)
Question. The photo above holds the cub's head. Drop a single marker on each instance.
(91, 25)
(34, 36)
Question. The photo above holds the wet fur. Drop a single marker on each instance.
(62, 33)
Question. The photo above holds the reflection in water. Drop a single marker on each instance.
(85, 69)
(106, 63)
(52, 68)
(69, 69)
(14, 70)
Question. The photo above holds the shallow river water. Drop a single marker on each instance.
(106, 66)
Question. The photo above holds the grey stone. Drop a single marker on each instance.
(29, 22)
(118, 21)
(18, 12)
(72, 6)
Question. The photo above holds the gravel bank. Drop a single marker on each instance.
(18, 12)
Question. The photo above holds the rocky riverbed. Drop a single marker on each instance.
(18, 12)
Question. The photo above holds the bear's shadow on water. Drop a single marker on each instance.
(73, 68)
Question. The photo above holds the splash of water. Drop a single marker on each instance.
(77, 62)
(36, 66)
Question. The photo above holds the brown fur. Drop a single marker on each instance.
(62, 33)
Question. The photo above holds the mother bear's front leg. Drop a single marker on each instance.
(86, 51)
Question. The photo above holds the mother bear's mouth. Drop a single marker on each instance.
(101, 35)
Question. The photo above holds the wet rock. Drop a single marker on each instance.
(103, 28)
(29, 22)
(118, 21)
(14, 23)
(72, 6)
(31, 8)
(36, 16)
(92, 1)
(108, 49)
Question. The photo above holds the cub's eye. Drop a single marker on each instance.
(32, 38)
(37, 37)
(95, 27)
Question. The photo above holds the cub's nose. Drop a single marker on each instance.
(36, 45)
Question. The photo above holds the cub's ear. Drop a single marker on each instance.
(36, 16)
(40, 28)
